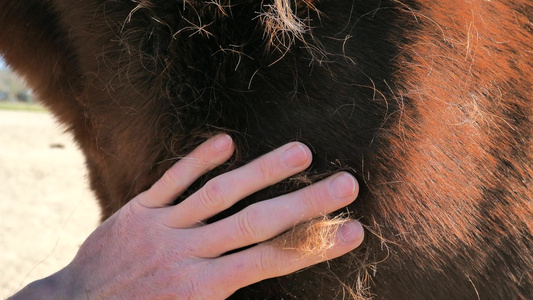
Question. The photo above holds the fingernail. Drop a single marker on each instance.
(294, 156)
(342, 186)
(351, 232)
(223, 143)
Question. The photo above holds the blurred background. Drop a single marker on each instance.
(46, 207)
(12, 88)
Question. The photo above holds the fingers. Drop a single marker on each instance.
(266, 261)
(182, 174)
(225, 190)
(267, 219)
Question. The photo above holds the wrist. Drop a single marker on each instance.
(56, 286)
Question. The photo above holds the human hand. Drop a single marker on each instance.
(149, 249)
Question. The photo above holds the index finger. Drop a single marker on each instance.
(187, 170)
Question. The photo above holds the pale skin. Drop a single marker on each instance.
(151, 249)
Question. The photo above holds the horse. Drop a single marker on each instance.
(427, 103)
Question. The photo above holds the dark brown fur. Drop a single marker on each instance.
(428, 103)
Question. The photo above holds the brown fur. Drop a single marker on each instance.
(428, 103)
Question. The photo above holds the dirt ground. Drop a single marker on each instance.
(46, 208)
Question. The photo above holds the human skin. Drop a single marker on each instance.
(151, 249)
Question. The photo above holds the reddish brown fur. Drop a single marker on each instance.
(429, 103)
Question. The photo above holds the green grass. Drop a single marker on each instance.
(21, 106)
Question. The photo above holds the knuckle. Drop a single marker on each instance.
(195, 283)
(265, 169)
(212, 195)
(201, 161)
(198, 288)
(311, 200)
(189, 290)
(245, 226)
(170, 179)
(266, 262)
